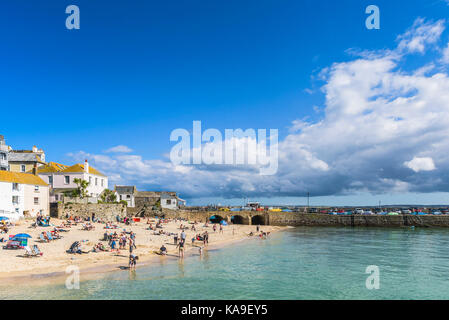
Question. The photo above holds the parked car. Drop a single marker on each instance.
(358, 211)
(406, 211)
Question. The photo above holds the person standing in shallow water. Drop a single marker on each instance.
(181, 249)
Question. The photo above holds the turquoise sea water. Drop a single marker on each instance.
(300, 263)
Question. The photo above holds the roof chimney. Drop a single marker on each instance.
(86, 166)
(34, 149)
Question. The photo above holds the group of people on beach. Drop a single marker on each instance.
(122, 240)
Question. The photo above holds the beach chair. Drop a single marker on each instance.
(12, 244)
(36, 251)
(28, 252)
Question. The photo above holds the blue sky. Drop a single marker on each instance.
(136, 70)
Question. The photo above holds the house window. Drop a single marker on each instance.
(36, 200)
(96, 181)
(102, 182)
(121, 198)
(90, 180)
(17, 210)
(50, 179)
(67, 179)
(36, 188)
(15, 187)
(128, 196)
(56, 197)
(23, 168)
(168, 201)
(15, 199)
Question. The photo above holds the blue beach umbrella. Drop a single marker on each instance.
(22, 235)
(4, 218)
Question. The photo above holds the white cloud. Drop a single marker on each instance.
(376, 117)
(420, 164)
(445, 57)
(119, 149)
(420, 35)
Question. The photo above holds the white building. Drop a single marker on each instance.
(61, 179)
(169, 200)
(126, 193)
(22, 193)
(4, 150)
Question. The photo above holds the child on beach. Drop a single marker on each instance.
(133, 261)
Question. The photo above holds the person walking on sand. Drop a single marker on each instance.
(215, 227)
(175, 239)
(132, 237)
(183, 236)
(131, 246)
(257, 228)
(221, 228)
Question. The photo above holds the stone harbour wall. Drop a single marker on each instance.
(103, 211)
(315, 219)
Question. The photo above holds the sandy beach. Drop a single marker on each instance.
(54, 261)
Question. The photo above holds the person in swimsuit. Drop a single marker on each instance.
(181, 249)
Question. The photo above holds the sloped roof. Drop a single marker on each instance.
(154, 194)
(22, 178)
(147, 194)
(24, 157)
(125, 189)
(51, 167)
(54, 167)
(80, 168)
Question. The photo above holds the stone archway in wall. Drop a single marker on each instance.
(258, 220)
(216, 218)
(238, 219)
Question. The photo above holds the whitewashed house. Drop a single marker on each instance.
(169, 200)
(61, 179)
(22, 194)
(126, 193)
